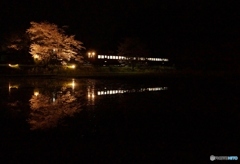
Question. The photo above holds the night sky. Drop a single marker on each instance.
(167, 27)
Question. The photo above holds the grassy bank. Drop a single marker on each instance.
(111, 71)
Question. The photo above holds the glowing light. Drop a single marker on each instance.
(73, 84)
(36, 93)
(13, 65)
(36, 56)
(91, 54)
(12, 87)
(72, 66)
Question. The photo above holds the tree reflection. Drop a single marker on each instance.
(47, 108)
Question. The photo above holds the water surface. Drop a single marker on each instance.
(118, 121)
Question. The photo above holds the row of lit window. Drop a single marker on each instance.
(157, 59)
(111, 57)
(134, 58)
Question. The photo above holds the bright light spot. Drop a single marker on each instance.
(72, 66)
(36, 93)
(73, 84)
(36, 56)
(13, 65)
(91, 54)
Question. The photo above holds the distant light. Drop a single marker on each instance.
(12, 87)
(91, 54)
(72, 66)
(13, 65)
(36, 93)
(36, 56)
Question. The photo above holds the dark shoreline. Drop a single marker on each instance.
(98, 75)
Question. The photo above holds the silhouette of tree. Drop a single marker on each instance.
(132, 48)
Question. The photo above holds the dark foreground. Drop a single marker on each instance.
(189, 121)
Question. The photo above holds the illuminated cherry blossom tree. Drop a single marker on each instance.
(48, 42)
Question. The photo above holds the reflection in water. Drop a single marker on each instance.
(52, 100)
(72, 84)
(120, 91)
(48, 108)
(91, 95)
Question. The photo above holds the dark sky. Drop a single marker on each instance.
(166, 26)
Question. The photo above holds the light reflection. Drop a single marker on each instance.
(91, 95)
(120, 91)
(72, 84)
(48, 108)
(52, 101)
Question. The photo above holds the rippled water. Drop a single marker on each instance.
(118, 121)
